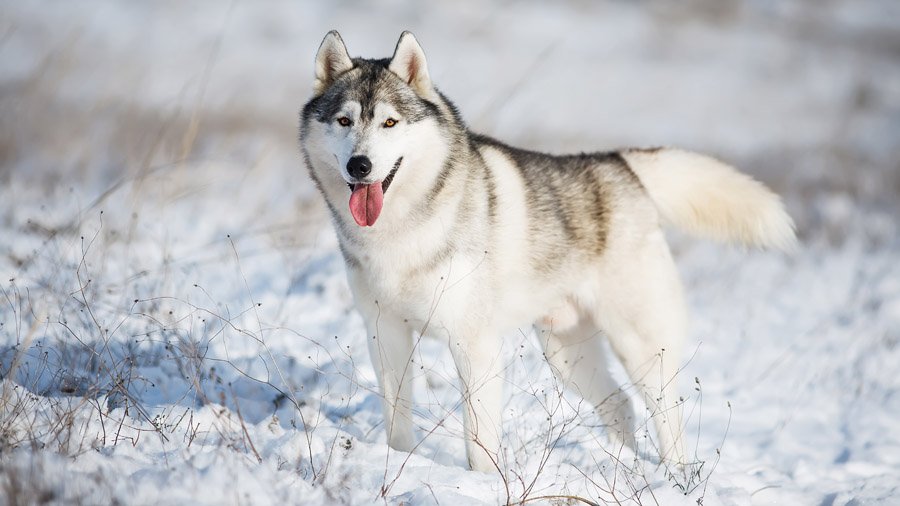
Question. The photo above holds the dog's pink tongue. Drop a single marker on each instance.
(365, 203)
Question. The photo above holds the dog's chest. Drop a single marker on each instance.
(420, 284)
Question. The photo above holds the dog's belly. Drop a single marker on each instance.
(496, 307)
(521, 304)
(470, 292)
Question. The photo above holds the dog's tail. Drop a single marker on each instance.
(705, 197)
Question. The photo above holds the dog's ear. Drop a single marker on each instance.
(409, 63)
(331, 61)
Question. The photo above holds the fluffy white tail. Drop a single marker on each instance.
(703, 196)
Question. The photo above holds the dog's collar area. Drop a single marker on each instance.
(387, 181)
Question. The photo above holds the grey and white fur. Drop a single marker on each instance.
(457, 235)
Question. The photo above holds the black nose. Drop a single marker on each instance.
(359, 166)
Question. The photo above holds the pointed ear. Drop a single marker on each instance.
(331, 61)
(409, 63)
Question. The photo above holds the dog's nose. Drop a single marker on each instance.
(359, 166)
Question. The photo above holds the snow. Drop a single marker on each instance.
(175, 326)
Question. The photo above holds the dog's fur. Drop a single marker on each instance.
(476, 238)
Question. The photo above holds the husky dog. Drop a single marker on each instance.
(454, 234)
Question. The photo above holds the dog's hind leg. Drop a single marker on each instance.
(642, 312)
(577, 357)
(390, 348)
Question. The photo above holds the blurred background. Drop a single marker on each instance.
(805, 94)
(149, 170)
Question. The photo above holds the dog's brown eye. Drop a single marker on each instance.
(344, 121)
(388, 123)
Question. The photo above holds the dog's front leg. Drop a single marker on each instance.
(480, 370)
(390, 347)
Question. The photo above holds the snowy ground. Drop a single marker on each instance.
(175, 325)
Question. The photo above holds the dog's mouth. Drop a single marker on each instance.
(366, 200)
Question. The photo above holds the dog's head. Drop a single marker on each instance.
(371, 125)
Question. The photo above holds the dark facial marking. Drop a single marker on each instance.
(390, 177)
(368, 83)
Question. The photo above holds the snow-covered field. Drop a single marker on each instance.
(175, 326)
